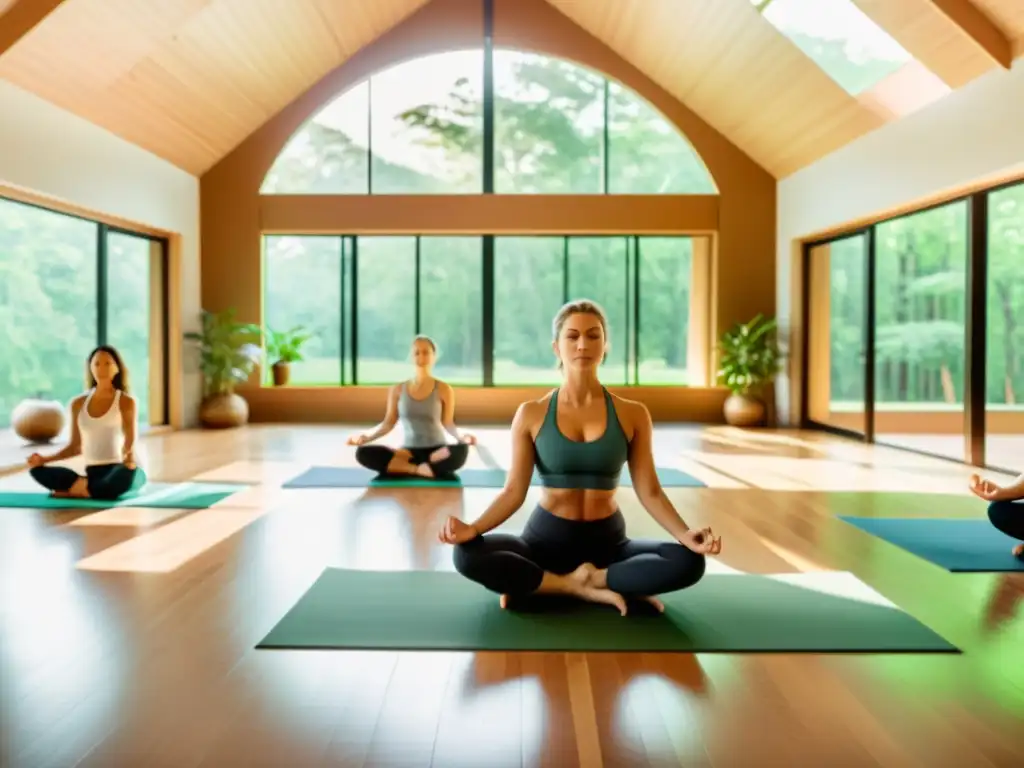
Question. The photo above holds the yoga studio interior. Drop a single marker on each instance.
(472, 383)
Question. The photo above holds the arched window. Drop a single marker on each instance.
(418, 128)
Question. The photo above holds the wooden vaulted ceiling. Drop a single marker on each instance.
(189, 80)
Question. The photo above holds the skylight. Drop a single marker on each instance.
(839, 38)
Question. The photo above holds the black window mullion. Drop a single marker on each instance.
(102, 284)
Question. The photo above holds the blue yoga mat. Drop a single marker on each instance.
(960, 546)
(358, 477)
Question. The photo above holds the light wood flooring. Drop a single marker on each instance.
(127, 635)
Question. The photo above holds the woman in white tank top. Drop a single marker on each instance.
(103, 429)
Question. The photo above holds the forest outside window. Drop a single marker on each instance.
(363, 298)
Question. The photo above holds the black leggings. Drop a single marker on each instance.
(104, 481)
(1008, 517)
(377, 457)
(515, 565)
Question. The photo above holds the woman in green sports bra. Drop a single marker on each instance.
(579, 437)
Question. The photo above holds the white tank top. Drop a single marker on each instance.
(102, 436)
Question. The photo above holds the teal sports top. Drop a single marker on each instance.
(593, 465)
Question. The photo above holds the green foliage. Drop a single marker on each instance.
(750, 355)
(229, 350)
(286, 346)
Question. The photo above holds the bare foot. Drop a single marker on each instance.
(440, 454)
(598, 579)
(424, 470)
(1018, 551)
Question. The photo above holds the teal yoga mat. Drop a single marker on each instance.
(959, 546)
(440, 610)
(357, 477)
(162, 495)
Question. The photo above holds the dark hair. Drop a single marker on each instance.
(120, 378)
(430, 341)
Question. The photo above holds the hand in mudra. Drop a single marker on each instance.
(455, 531)
(702, 541)
(357, 440)
(984, 489)
(35, 460)
(468, 439)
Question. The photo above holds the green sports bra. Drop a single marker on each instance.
(594, 465)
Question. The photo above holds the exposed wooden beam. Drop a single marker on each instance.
(979, 28)
(21, 18)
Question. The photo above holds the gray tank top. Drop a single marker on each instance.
(421, 419)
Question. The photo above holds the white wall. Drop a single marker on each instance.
(972, 134)
(52, 152)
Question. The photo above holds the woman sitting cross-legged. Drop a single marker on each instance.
(103, 430)
(580, 436)
(1006, 514)
(426, 408)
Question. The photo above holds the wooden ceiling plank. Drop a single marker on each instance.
(21, 18)
(980, 28)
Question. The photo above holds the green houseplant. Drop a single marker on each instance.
(229, 352)
(749, 359)
(285, 348)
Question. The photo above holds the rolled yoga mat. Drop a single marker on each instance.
(161, 495)
(358, 477)
(441, 610)
(960, 546)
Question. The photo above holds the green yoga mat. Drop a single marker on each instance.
(439, 610)
(162, 495)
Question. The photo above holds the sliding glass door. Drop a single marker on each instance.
(837, 340)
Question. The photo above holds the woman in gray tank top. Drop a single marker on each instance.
(425, 406)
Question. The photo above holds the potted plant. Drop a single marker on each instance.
(229, 351)
(283, 347)
(750, 357)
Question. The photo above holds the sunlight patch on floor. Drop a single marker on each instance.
(169, 547)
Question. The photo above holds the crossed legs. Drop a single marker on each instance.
(107, 482)
(546, 560)
(1008, 517)
(431, 461)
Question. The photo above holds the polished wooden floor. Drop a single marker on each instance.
(127, 636)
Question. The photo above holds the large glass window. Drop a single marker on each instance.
(390, 288)
(548, 126)
(531, 273)
(426, 119)
(646, 154)
(837, 326)
(135, 316)
(920, 313)
(1004, 315)
(599, 270)
(451, 303)
(385, 308)
(664, 269)
(51, 300)
(304, 280)
(330, 154)
(417, 128)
